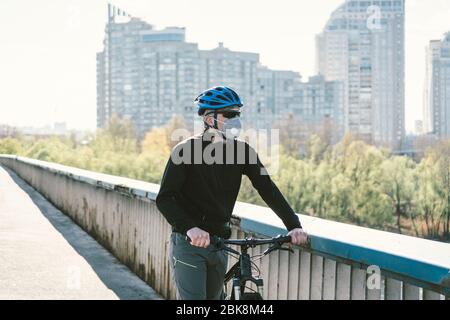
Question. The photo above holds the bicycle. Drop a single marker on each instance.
(241, 272)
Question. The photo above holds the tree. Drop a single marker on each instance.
(176, 131)
(360, 166)
(436, 168)
(10, 146)
(398, 184)
(296, 181)
(290, 135)
(118, 136)
(427, 199)
(316, 149)
(351, 181)
(328, 131)
(156, 142)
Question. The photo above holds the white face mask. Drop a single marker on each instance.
(231, 128)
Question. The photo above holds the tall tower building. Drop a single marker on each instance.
(363, 46)
(149, 76)
(238, 70)
(436, 111)
(145, 75)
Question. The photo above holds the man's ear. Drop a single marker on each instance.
(209, 120)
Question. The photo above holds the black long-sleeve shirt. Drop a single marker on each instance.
(198, 193)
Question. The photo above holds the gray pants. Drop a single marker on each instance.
(198, 272)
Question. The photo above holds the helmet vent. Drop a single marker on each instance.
(224, 98)
(235, 95)
(230, 98)
(218, 98)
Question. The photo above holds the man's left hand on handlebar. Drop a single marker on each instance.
(299, 236)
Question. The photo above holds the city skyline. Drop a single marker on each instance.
(363, 46)
(58, 95)
(149, 76)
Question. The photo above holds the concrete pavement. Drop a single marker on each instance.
(45, 255)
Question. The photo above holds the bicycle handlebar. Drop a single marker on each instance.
(249, 242)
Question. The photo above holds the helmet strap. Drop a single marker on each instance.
(215, 125)
(215, 120)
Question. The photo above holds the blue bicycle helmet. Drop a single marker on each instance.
(217, 98)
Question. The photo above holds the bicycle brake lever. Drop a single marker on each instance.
(270, 249)
(277, 247)
(287, 249)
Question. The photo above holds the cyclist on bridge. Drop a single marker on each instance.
(199, 189)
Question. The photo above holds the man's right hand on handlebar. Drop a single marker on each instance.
(299, 236)
(199, 237)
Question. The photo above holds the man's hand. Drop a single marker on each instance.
(199, 237)
(299, 236)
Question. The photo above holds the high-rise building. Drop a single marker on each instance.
(363, 46)
(149, 76)
(146, 75)
(436, 111)
(285, 92)
(265, 104)
(238, 70)
(418, 127)
(315, 104)
(323, 100)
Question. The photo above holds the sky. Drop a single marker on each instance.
(48, 47)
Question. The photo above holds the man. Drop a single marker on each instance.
(199, 189)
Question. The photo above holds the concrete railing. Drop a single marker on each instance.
(342, 261)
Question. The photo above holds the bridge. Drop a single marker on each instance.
(68, 233)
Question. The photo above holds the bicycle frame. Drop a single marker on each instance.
(241, 273)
